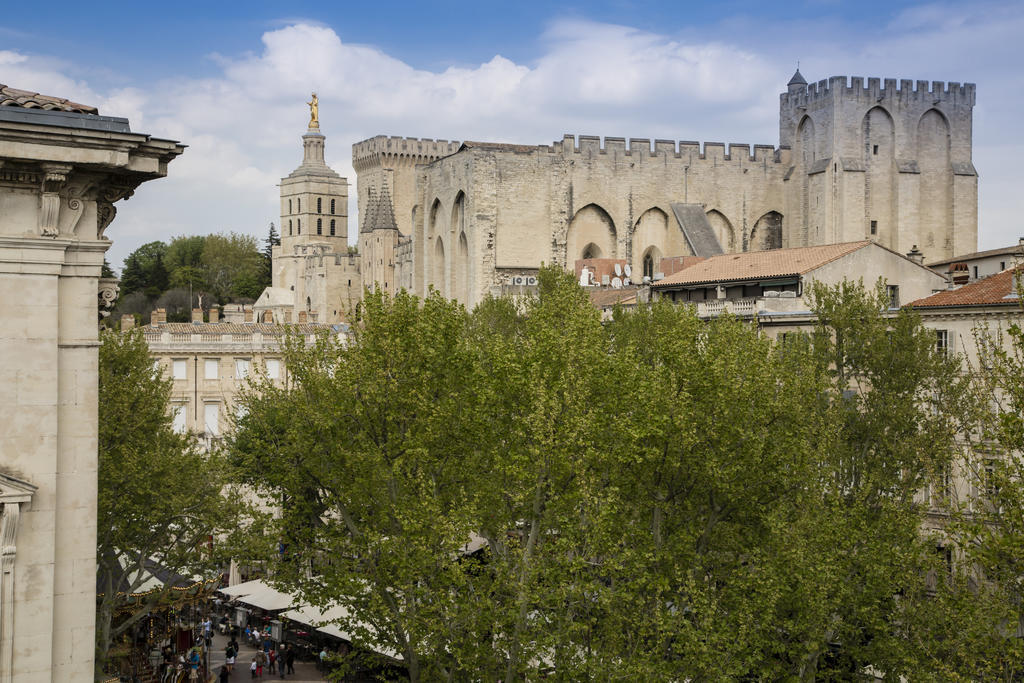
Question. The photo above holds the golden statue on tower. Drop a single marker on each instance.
(314, 112)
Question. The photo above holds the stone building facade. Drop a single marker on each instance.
(62, 169)
(880, 160)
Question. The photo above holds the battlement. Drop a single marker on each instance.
(642, 147)
(957, 94)
(424, 150)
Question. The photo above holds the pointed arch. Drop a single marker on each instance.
(767, 232)
(435, 213)
(878, 133)
(654, 230)
(591, 251)
(461, 268)
(936, 198)
(458, 222)
(438, 271)
(723, 230)
(591, 226)
(650, 262)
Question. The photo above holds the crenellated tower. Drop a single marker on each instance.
(880, 159)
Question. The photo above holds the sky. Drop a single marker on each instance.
(230, 81)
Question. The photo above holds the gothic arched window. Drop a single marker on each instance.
(332, 207)
(319, 226)
(332, 223)
(298, 225)
(319, 205)
(300, 204)
(289, 228)
(289, 206)
(648, 265)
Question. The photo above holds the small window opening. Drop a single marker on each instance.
(332, 227)
(298, 225)
(975, 272)
(319, 205)
(319, 226)
(874, 150)
(894, 295)
(1002, 266)
(289, 228)
(289, 206)
(874, 227)
(299, 201)
(332, 207)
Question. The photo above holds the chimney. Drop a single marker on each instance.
(197, 315)
(158, 317)
(959, 274)
(214, 315)
(916, 256)
(248, 314)
(127, 322)
(302, 316)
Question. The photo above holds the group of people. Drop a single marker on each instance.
(281, 662)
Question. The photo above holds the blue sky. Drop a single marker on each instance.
(230, 79)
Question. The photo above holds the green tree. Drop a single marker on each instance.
(144, 270)
(230, 262)
(160, 498)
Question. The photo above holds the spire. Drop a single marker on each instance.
(371, 211)
(797, 79)
(385, 212)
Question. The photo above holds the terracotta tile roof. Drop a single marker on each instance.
(1015, 250)
(759, 265)
(995, 290)
(12, 97)
(268, 329)
(607, 296)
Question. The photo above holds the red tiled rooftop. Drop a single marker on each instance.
(268, 329)
(12, 97)
(760, 264)
(995, 290)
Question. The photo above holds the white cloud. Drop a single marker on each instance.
(243, 123)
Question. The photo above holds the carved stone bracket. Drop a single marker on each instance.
(108, 289)
(13, 493)
(118, 188)
(54, 177)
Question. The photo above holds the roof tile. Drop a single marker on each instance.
(757, 265)
(995, 290)
(14, 97)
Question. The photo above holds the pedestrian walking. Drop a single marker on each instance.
(272, 661)
(225, 673)
(323, 658)
(289, 658)
(252, 669)
(261, 661)
(229, 657)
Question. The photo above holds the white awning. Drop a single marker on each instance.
(314, 617)
(243, 588)
(269, 599)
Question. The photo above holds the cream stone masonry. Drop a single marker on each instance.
(856, 160)
(61, 173)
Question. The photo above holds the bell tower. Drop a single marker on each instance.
(314, 199)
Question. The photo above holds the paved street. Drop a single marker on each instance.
(304, 671)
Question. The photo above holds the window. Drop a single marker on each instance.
(298, 225)
(273, 368)
(289, 206)
(319, 205)
(179, 418)
(874, 150)
(990, 474)
(332, 210)
(940, 488)
(648, 266)
(319, 226)
(332, 227)
(210, 367)
(942, 341)
(1002, 266)
(299, 203)
(874, 227)
(211, 419)
(894, 295)
(241, 368)
(178, 369)
(289, 227)
(975, 272)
